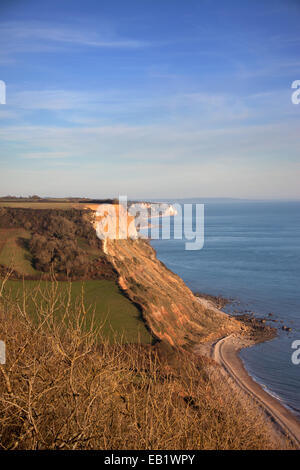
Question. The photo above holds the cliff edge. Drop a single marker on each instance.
(169, 308)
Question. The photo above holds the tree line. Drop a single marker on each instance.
(61, 241)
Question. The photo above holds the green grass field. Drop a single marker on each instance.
(119, 318)
(13, 254)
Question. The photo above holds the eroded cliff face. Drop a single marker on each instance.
(169, 308)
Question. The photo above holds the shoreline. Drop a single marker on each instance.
(225, 352)
(270, 392)
(263, 332)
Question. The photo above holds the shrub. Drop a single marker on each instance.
(65, 387)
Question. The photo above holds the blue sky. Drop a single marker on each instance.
(150, 98)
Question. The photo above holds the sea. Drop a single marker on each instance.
(251, 254)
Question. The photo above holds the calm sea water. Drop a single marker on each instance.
(252, 254)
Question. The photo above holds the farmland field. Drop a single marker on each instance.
(120, 319)
(40, 205)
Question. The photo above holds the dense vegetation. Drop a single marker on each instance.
(61, 389)
(62, 241)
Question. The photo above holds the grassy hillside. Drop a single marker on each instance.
(118, 317)
(12, 252)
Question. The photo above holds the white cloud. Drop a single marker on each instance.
(133, 145)
(31, 36)
(114, 104)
